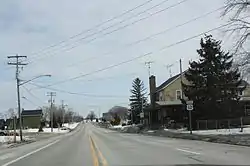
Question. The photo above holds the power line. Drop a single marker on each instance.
(102, 69)
(28, 91)
(150, 36)
(31, 102)
(94, 27)
(102, 78)
(115, 30)
(108, 78)
(137, 57)
(80, 94)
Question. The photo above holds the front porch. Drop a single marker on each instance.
(165, 111)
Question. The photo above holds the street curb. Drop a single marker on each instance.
(206, 138)
(222, 139)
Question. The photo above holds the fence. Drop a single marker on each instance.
(223, 123)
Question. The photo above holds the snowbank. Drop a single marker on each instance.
(70, 125)
(117, 127)
(8, 139)
(65, 129)
(235, 131)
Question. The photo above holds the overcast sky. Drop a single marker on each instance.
(30, 28)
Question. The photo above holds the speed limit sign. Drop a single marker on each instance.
(190, 105)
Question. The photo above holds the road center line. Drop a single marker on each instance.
(93, 152)
(103, 160)
(28, 154)
(187, 151)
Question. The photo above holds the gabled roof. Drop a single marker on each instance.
(244, 83)
(166, 83)
(32, 112)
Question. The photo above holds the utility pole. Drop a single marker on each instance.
(14, 119)
(18, 63)
(181, 79)
(62, 111)
(148, 64)
(99, 112)
(51, 94)
(182, 97)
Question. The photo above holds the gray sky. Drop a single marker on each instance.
(29, 27)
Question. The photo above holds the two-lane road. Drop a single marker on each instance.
(90, 145)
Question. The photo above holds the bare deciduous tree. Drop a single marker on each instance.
(238, 14)
(11, 113)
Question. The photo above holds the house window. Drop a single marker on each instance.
(178, 95)
(161, 96)
(241, 93)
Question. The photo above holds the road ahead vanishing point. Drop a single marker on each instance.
(89, 145)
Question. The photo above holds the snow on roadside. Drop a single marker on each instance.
(70, 125)
(117, 127)
(4, 139)
(65, 129)
(9, 139)
(235, 131)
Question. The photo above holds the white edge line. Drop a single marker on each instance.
(187, 151)
(28, 154)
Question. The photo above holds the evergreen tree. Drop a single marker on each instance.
(138, 99)
(213, 83)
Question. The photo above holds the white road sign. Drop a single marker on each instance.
(190, 106)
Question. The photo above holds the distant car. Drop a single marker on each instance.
(64, 128)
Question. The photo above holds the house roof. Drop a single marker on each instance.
(244, 83)
(170, 80)
(31, 112)
(166, 83)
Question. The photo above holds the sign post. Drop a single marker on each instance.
(190, 108)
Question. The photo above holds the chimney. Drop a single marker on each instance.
(152, 87)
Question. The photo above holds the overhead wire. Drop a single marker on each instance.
(30, 93)
(76, 93)
(115, 30)
(137, 57)
(33, 103)
(93, 27)
(150, 36)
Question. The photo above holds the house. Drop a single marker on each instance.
(245, 98)
(107, 116)
(167, 101)
(31, 118)
(122, 112)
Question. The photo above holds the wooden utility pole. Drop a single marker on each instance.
(51, 94)
(14, 119)
(181, 79)
(63, 111)
(18, 63)
(182, 97)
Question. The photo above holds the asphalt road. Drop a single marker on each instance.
(90, 145)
